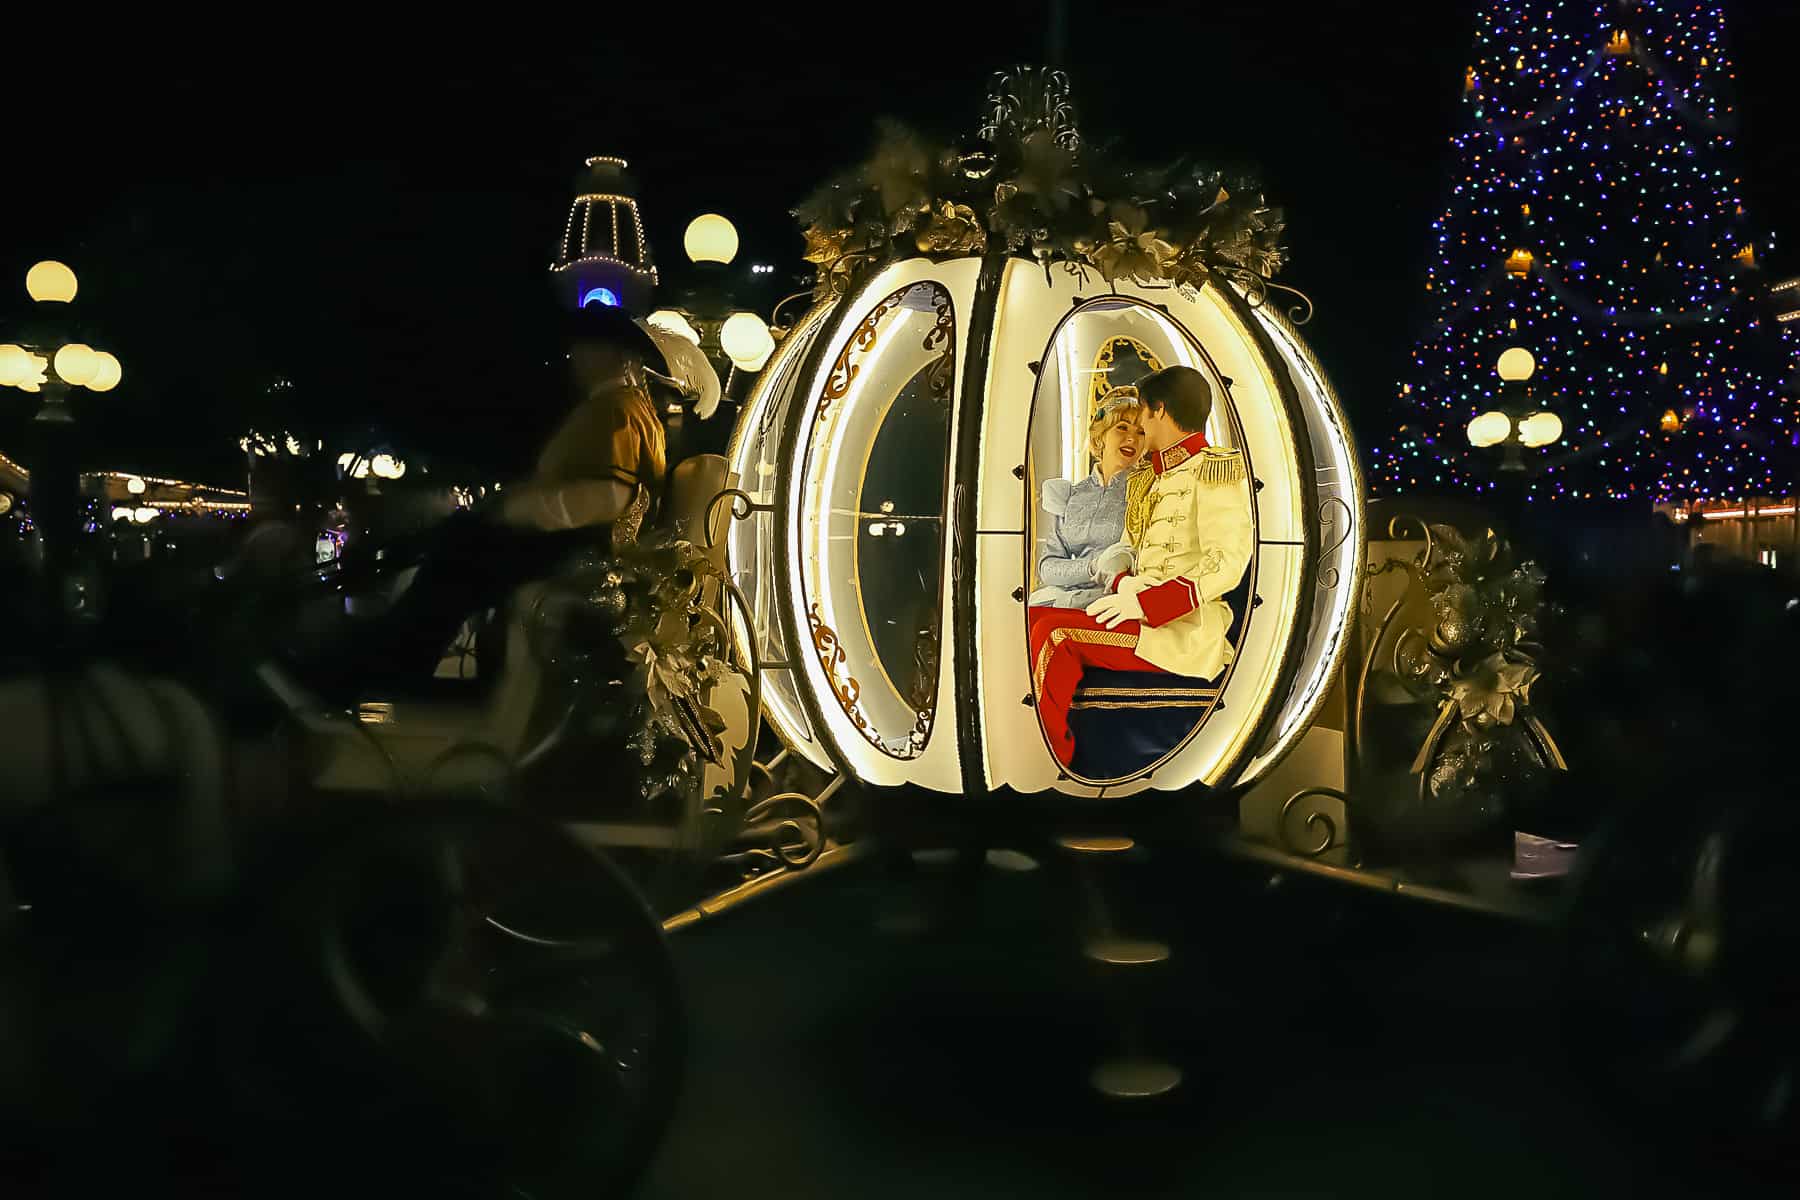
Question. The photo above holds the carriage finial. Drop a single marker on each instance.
(1024, 99)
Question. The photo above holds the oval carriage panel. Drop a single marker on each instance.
(1096, 507)
(875, 490)
(756, 457)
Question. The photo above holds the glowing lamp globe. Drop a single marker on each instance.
(76, 364)
(746, 341)
(670, 320)
(752, 365)
(36, 373)
(902, 437)
(15, 364)
(710, 238)
(1490, 429)
(122, 513)
(1540, 429)
(1516, 365)
(386, 466)
(107, 373)
(146, 515)
(134, 486)
(51, 281)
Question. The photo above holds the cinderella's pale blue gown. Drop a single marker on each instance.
(1081, 521)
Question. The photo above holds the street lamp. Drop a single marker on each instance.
(747, 341)
(38, 368)
(710, 238)
(711, 313)
(48, 363)
(1516, 424)
(708, 314)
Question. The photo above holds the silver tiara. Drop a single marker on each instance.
(1115, 399)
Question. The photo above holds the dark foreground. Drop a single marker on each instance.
(1335, 1044)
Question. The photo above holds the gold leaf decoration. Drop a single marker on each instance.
(824, 245)
(954, 229)
(1035, 188)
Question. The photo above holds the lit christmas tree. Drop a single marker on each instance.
(1597, 221)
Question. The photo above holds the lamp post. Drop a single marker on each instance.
(1518, 424)
(48, 363)
(735, 339)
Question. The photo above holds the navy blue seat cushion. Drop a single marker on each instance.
(1125, 720)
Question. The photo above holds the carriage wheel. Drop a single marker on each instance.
(1681, 973)
(502, 1006)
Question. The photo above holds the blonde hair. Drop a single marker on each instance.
(1118, 402)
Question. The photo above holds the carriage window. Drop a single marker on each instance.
(874, 481)
(1123, 676)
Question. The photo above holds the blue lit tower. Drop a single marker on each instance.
(603, 256)
(1596, 219)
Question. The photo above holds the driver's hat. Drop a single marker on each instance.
(685, 368)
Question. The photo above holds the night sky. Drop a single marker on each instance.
(369, 211)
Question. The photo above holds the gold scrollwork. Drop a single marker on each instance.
(845, 687)
(1256, 293)
(843, 371)
(1103, 365)
(826, 643)
(1328, 574)
(1315, 821)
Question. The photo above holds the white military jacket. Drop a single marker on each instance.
(1192, 537)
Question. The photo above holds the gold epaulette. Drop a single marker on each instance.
(1217, 464)
(1137, 502)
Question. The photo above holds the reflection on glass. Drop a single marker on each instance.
(1127, 664)
(874, 497)
(899, 555)
(755, 456)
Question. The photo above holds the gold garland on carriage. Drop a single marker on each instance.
(1029, 185)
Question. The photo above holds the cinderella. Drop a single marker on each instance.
(1085, 520)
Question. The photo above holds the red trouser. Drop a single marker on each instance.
(1065, 642)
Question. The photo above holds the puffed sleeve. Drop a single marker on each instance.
(1058, 564)
(614, 439)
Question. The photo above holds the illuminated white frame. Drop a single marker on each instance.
(1338, 573)
(1029, 310)
(777, 386)
(938, 767)
(864, 414)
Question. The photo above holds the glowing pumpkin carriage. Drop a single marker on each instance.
(885, 475)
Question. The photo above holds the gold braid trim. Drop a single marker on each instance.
(1097, 637)
(1140, 705)
(1137, 503)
